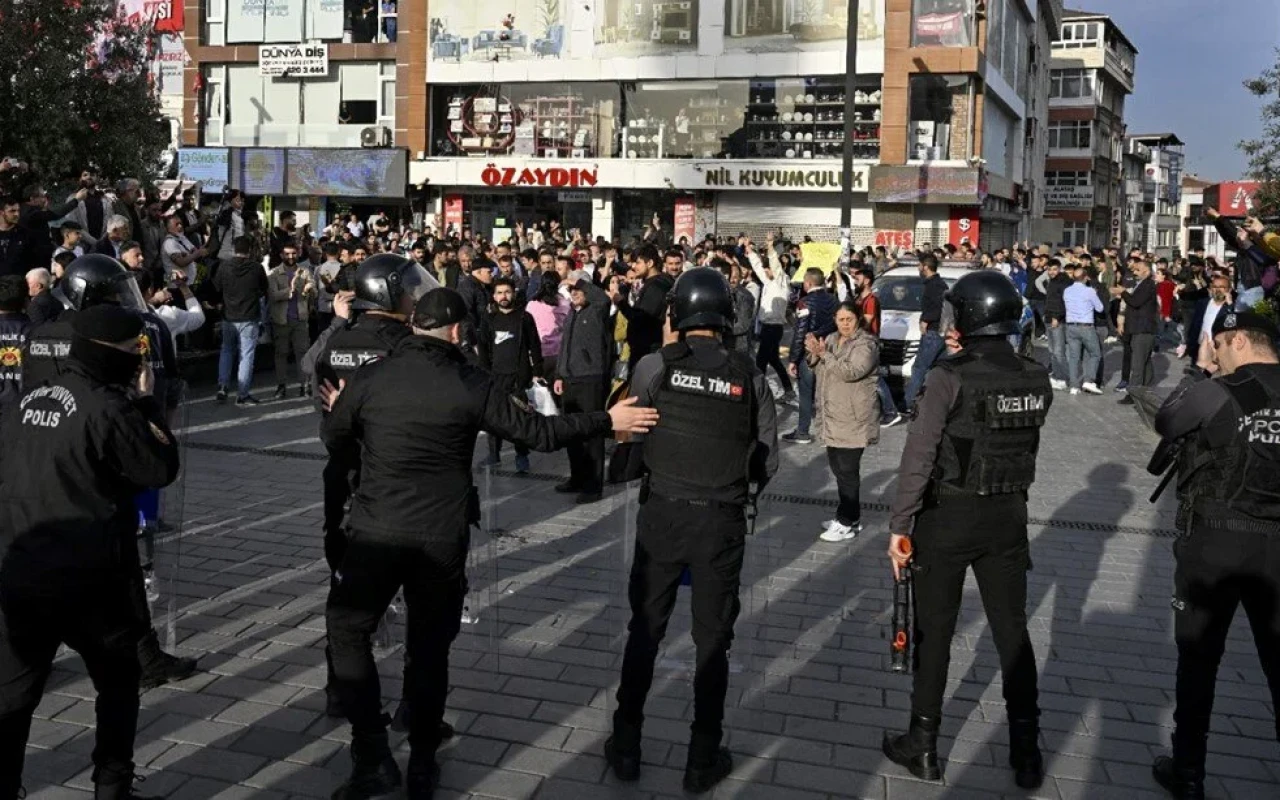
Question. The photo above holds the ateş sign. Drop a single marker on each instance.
(903, 240)
(293, 60)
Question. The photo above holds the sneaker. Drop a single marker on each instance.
(829, 523)
(1091, 388)
(1110, 340)
(247, 400)
(841, 533)
(1122, 387)
(796, 437)
(221, 396)
(889, 420)
(1074, 391)
(522, 465)
(1058, 384)
(1126, 401)
(281, 392)
(1180, 351)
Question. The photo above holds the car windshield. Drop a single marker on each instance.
(901, 292)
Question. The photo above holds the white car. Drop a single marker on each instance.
(900, 291)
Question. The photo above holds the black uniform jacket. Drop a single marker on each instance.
(76, 453)
(415, 417)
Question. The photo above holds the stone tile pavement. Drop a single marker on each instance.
(533, 674)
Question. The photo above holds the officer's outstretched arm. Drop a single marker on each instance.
(511, 417)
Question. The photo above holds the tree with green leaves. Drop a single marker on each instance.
(1264, 152)
(76, 90)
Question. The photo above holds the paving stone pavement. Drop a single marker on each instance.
(533, 675)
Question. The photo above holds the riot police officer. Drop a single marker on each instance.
(718, 434)
(1223, 438)
(91, 280)
(969, 460)
(420, 410)
(386, 288)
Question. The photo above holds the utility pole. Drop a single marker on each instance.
(850, 113)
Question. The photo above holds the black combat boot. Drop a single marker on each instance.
(110, 783)
(158, 667)
(622, 751)
(1024, 753)
(708, 763)
(374, 773)
(1183, 775)
(917, 749)
(424, 776)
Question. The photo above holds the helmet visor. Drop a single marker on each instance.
(124, 292)
(416, 281)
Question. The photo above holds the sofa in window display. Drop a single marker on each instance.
(551, 44)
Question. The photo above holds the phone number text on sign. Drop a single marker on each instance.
(294, 61)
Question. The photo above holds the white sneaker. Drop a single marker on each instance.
(840, 533)
(1091, 388)
(1058, 384)
(1074, 390)
(829, 524)
(1180, 351)
(1110, 340)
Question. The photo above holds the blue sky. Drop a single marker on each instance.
(1192, 56)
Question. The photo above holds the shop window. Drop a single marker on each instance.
(941, 117)
(942, 23)
(800, 118)
(1075, 234)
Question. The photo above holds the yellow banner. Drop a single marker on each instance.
(820, 255)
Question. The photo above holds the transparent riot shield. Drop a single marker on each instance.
(161, 528)
(749, 656)
(479, 630)
(626, 505)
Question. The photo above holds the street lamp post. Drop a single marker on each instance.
(850, 113)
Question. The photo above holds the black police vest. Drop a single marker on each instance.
(1244, 475)
(370, 338)
(13, 335)
(48, 345)
(701, 448)
(990, 441)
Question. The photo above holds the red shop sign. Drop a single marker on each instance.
(903, 240)
(555, 177)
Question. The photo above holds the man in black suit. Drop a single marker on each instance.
(1141, 315)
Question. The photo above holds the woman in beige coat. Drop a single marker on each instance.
(847, 368)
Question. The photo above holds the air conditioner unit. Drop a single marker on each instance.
(375, 136)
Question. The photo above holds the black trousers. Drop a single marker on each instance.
(846, 465)
(513, 385)
(1216, 572)
(990, 535)
(586, 459)
(1141, 371)
(709, 540)
(1126, 359)
(434, 580)
(768, 355)
(98, 620)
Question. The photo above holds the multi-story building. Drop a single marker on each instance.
(1160, 220)
(607, 115)
(1196, 232)
(305, 103)
(1092, 74)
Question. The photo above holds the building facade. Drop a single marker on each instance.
(610, 116)
(1092, 73)
(1159, 224)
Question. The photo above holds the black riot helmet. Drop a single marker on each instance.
(701, 299)
(986, 303)
(95, 279)
(382, 281)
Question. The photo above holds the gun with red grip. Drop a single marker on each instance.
(900, 635)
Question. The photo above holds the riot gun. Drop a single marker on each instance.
(900, 634)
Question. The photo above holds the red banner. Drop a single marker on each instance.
(903, 240)
(165, 15)
(685, 219)
(1231, 198)
(964, 225)
(452, 213)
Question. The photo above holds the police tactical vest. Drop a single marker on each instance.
(370, 338)
(48, 345)
(701, 448)
(13, 335)
(1243, 475)
(990, 441)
